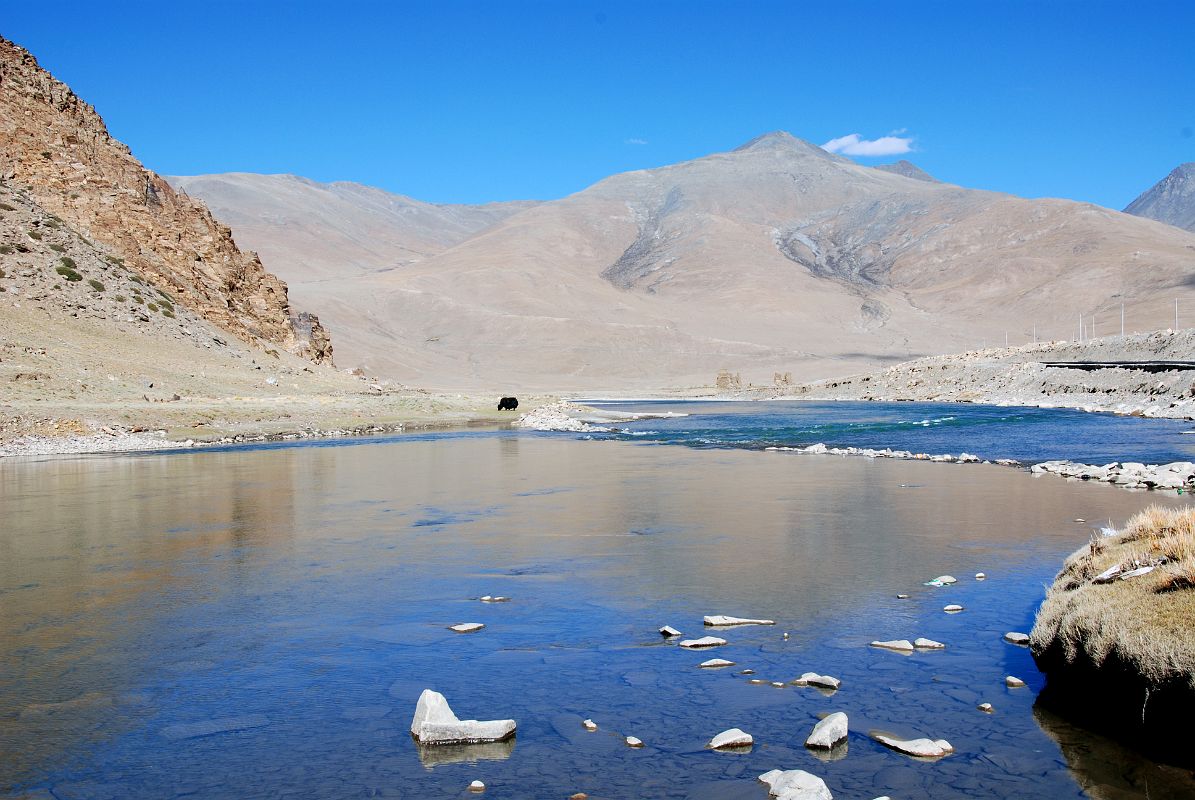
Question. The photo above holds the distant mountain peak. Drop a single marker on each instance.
(782, 141)
(909, 170)
(1170, 200)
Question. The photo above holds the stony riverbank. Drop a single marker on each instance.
(1018, 376)
(60, 427)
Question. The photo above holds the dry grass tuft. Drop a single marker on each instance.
(1148, 621)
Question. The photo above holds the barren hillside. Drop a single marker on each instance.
(775, 257)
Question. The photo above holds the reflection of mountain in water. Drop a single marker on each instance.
(1109, 771)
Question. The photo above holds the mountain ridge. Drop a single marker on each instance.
(1170, 200)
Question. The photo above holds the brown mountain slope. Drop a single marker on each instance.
(774, 257)
(55, 145)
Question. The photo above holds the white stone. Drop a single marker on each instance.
(924, 748)
(731, 738)
(1016, 638)
(704, 641)
(1108, 575)
(668, 630)
(795, 784)
(466, 627)
(979, 576)
(477, 786)
(1013, 682)
(589, 724)
(813, 679)
(434, 723)
(495, 599)
(902, 597)
(904, 645)
(946, 579)
(828, 732)
(634, 742)
(928, 644)
(721, 620)
(716, 662)
(986, 708)
(953, 608)
(1133, 573)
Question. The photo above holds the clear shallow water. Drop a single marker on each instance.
(991, 432)
(305, 591)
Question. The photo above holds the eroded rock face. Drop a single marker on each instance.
(57, 147)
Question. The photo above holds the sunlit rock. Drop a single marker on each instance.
(731, 738)
(434, 723)
(828, 732)
(795, 784)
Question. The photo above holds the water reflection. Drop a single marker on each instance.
(303, 588)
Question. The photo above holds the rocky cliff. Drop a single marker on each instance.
(1170, 200)
(57, 148)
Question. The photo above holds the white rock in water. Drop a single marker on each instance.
(716, 662)
(979, 576)
(466, 627)
(634, 742)
(924, 748)
(813, 679)
(434, 723)
(704, 641)
(795, 784)
(720, 620)
(477, 786)
(967, 458)
(589, 724)
(778, 684)
(953, 608)
(928, 644)
(495, 599)
(731, 738)
(904, 645)
(985, 708)
(902, 597)
(946, 579)
(1015, 683)
(668, 630)
(1016, 638)
(828, 732)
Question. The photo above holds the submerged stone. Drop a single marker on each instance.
(720, 620)
(704, 641)
(922, 748)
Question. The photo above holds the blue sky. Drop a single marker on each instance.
(496, 100)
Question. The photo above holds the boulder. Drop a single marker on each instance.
(1012, 682)
(985, 708)
(589, 725)
(928, 644)
(979, 576)
(1016, 638)
(903, 645)
(668, 630)
(953, 608)
(477, 786)
(720, 620)
(828, 732)
(466, 627)
(633, 741)
(704, 641)
(922, 748)
(731, 738)
(795, 784)
(434, 723)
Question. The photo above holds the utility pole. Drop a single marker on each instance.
(1035, 333)
(1122, 319)
(1176, 313)
(1006, 340)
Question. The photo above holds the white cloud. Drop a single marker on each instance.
(855, 145)
(635, 141)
